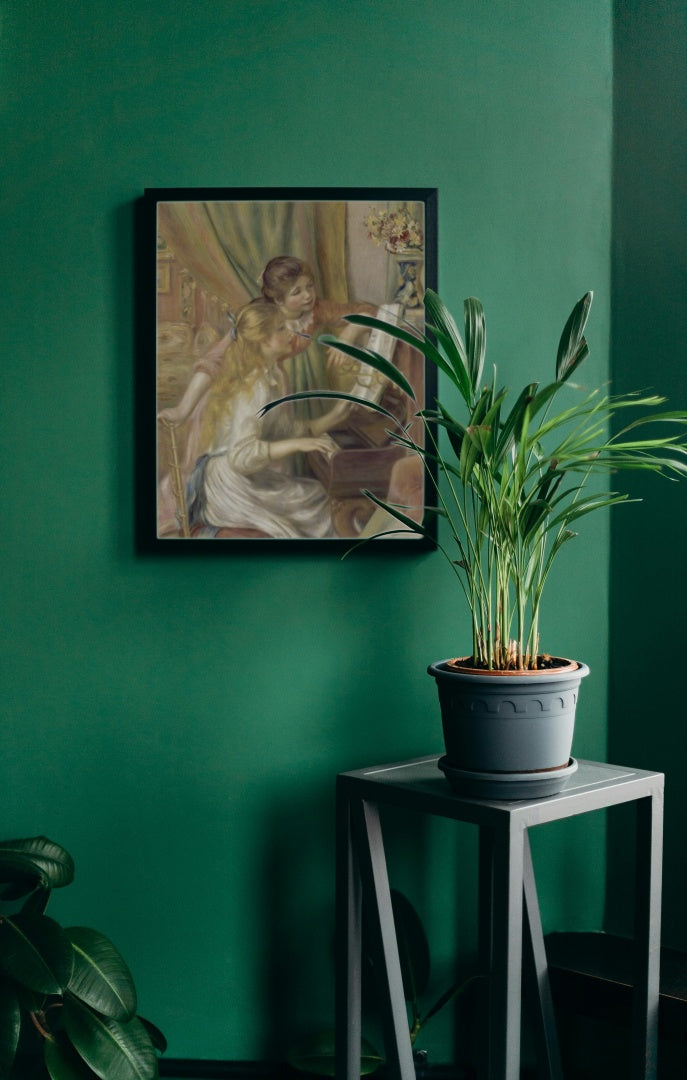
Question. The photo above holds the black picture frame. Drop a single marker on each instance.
(201, 252)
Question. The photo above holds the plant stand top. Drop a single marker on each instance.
(419, 784)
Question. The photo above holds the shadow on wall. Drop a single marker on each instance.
(649, 340)
(426, 860)
(297, 894)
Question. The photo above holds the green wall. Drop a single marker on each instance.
(649, 333)
(178, 722)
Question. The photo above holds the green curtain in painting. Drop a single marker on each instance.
(226, 245)
(252, 233)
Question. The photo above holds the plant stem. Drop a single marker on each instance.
(39, 1025)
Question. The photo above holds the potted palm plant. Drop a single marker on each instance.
(67, 998)
(514, 473)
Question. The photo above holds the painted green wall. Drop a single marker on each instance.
(178, 722)
(649, 332)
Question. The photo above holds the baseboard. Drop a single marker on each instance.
(203, 1069)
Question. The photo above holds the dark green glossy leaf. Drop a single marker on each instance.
(535, 512)
(37, 902)
(317, 1055)
(372, 359)
(305, 395)
(36, 858)
(35, 951)
(414, 339)
(63, 1062)
(20, 886)
(113, 1050)
(10, 1024)
(29, 1000)
(414, 526)
(156, 1037)
(100, 976)
(413, 947)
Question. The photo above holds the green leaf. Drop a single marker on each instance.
(491, 420)
(372, 358)
(413, 947)
(317, 1055)
(20, 886)
(572, 347)
(156, 1037)
(37, 902)
(513, 424)
(477, 437)
(475, 339)
(10, 1024)
(29, 1000)
(442, 318)
(36, 858)
(454, 429)
(447, 333)
(534, 513)
(304, 395)
(453, 366)
(415, 339)
(414, 526)
(114, 1051)
(586, 505)
(35, 951)
(100, 976)
(543, 396)
(63, 1062)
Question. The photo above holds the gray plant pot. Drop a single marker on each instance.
(508, 723)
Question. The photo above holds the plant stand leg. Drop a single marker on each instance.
(548, 1054)
(377, 898)
(647, 937)
(348, 945)
(484, 946)
(501, 915)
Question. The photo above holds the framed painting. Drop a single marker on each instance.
(247, 281)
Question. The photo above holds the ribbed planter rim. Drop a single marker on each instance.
(570, 669)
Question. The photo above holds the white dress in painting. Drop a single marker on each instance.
(237, 486)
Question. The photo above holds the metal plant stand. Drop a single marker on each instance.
(508, 907)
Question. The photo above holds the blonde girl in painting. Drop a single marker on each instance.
(246, 485)
(287, 288)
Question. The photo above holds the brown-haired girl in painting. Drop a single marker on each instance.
(245, 484)
(289, 283)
